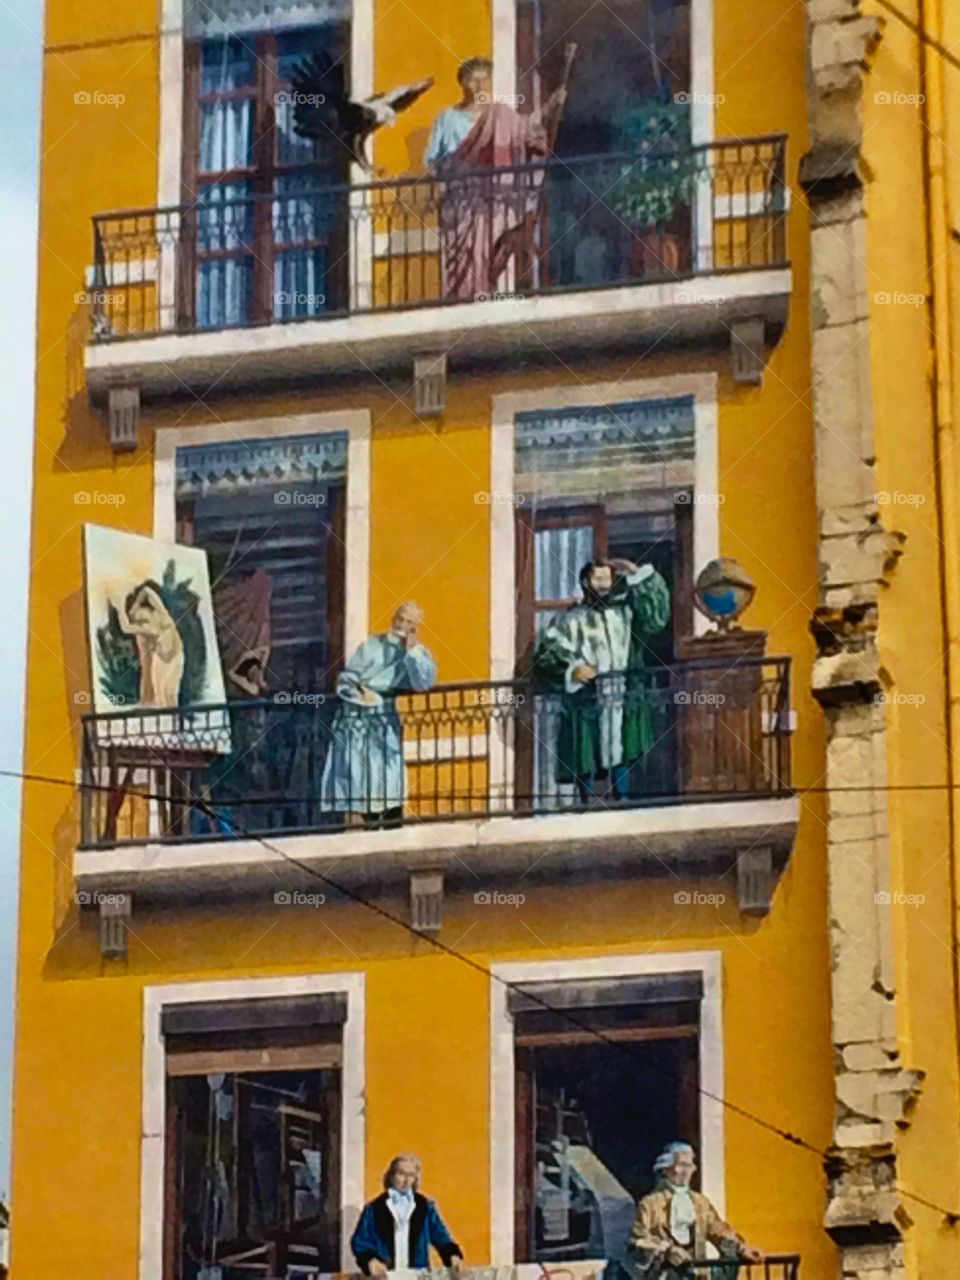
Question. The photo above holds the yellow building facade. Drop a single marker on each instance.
(264, 946)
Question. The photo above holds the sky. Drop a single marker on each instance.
(20, 53)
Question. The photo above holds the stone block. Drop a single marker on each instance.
(868, 1056)
(838, 279)
(832, 10)
(837, 46)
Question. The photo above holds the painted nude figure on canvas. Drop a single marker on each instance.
(144, 616)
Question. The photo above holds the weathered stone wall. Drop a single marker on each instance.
(874, 1089)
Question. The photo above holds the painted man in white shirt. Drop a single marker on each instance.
(397, 1228)
(674, 1223)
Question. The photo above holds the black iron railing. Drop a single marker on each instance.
(306, 762)
(310, 252)
(781, 1266)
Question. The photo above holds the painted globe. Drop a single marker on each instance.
(723, 590)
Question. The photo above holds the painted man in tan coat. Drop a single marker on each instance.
(674, 1224)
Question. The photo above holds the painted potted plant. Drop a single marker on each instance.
(655, 182)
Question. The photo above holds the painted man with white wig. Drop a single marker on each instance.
(397, 1230)
(674, 1223)
(364, 777)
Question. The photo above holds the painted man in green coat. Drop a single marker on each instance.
(593, 657)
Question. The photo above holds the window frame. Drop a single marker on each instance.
(355, 505)
(704, 517)
(503, 1090)
(156, 1116)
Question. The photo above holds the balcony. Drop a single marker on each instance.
(564, 253)
(175, 801)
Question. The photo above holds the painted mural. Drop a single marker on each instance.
(150, 623)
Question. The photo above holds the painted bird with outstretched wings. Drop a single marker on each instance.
(323, 113)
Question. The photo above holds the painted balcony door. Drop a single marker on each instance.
(264, 237)
(629, 90)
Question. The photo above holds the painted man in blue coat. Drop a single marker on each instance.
(396, 1229)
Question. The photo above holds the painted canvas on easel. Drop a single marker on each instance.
(150, 626)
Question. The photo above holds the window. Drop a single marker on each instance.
(253, 1137)
(603, 481)
(271, 514)
(629, 90)
(600, 1086)
(265, 236)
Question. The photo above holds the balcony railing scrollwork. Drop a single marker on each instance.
(307, 762)
(324, 251)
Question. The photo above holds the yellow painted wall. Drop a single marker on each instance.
(78, 1097)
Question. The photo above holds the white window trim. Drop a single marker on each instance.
(706, 511)
(152, 1140)
(502, 1114)
(169, 178)
(356, 422)
(701, 61)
